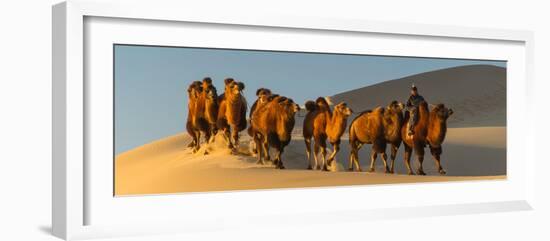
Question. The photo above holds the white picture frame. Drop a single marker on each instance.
(71, 190)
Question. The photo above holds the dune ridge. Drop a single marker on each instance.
(477, 93)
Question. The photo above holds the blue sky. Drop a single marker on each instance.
(151, 81)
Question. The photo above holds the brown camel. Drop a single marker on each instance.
(392, 122)
(209, 98)
(203, 112)
(194, 91)
(430, 129)
(367, 128)
(232, 112)
(378, 127)
(273, 123)
(321, 123)
(264, 96)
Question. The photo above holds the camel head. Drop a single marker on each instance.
(343, 108)
(288, 105)
(293, 107)
(263, 95)
(208, 88)
(442, 112)
(322, 103)
(206, 81)
(211, 92)
(194, 89)
(395, 107)
(233, 87)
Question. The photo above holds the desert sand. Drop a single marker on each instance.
(165, 167)
(475, 147)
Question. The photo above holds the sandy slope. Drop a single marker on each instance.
(166, 166)
(477, 93)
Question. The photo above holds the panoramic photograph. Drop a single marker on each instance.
(203, 119)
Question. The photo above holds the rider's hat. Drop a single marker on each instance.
(413, 87)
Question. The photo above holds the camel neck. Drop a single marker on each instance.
(423, 114)
(439, 122)
(337, 124)
(393, 128)
(233, 98)
(438, 130)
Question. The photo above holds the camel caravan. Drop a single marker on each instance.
(271, 121)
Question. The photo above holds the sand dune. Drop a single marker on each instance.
(475, 147)
(166, 166)
(477, 93)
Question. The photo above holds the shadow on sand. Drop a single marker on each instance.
(458, 160)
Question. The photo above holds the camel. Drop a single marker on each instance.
(392, 122)
(264, 96)
(232, 112)
(367, 128)
(430, 129)
(194, 91)
(378, 127)
(203, 113)
(209, 99)
(273, 123)
(321, 123)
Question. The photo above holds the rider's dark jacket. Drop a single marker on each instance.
(414, 101)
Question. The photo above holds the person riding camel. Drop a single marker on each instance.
(412, 106)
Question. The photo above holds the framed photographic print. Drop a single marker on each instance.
(174, 121)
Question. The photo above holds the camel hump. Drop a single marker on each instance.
(439, 106)
(360, 115)
(376, 111)
(310, 105)
(207, 80)
(322, 102)
(424, 104)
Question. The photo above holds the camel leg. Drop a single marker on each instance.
(419, 150)
(213, 133)
(357, 163)
(324, 156)
(206, 140)
(235, 138)
(385, 160)
(355, 156)
(207, 136)
(279, 160)
(226, 136)
(267, 157)
(308, 153)
(407, 158)
(436, 153)
(373, 157)
(352, 154)
(192, 143)
(333, 154)
(265, 149)
(351, 160)
(190, 131)
(316, 154)
(259, 148)
(392, 156)
(198, 141)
